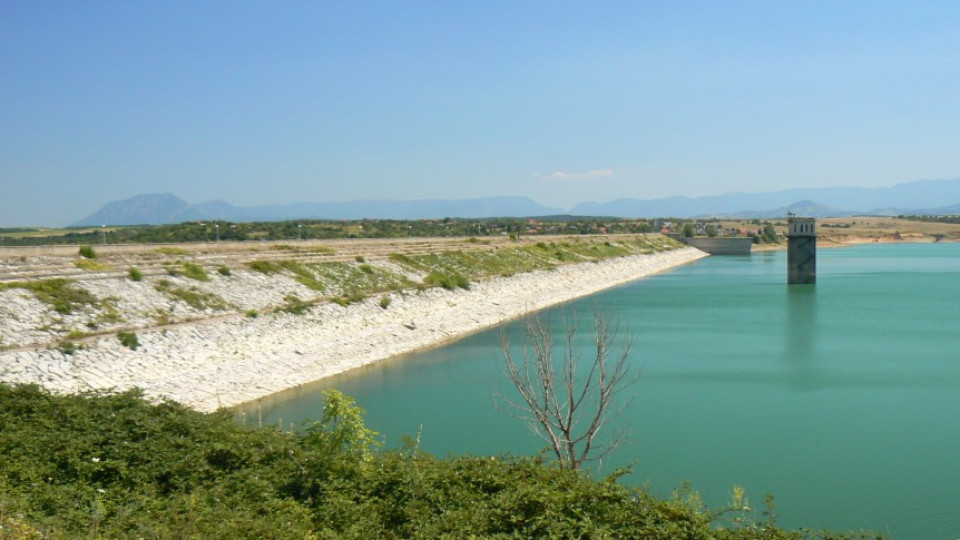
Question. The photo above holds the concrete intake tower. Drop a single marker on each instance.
(801, 251)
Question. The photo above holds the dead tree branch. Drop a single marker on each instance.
(566, 401)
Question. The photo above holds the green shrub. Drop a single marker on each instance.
(88, 252)
(366, 268)
(58, 293)
(108, 310)
(67, 347)
(321, 250)
(162, 316)
(193, 296)
(116, 466)
(294, 305)
(91, 265)
(265, 267)
(303, 275)
(251, 313)
(354, 298)
(770, 235)
(195, 271)
(171, 251)
(135, 274)
(385, 301)
(359, 259)
(129, 340)
(447, 280)
(223, 270)
(404, 260)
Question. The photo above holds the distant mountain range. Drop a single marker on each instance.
(920, 197)
(167, 208)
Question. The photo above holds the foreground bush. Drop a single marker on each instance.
(115, 466)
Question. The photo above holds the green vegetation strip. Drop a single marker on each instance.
(171, 251)
(265, 267)
(60, 294)
(192, 296)
(351, 282)
(354, 281)
(91, 265)
(195, 271)
(115, 466)
(287, 234)
(359, 279)
(450, 269)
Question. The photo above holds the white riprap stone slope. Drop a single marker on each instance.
(230, 360)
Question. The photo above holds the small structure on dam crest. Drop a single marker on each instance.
(801, 250)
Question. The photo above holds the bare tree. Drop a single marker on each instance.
(564, 399)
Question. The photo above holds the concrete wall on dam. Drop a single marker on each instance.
(716, 245)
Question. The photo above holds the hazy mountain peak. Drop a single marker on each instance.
(150, 209)
(920, 197)
(908, 197)
(158, 209)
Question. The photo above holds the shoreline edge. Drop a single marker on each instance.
(234, 361)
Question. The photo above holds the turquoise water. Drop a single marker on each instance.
(842, 399)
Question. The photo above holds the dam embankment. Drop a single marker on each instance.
(213, 337)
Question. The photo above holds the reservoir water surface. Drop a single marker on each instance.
(842, 399)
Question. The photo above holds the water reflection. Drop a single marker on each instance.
(800, 337)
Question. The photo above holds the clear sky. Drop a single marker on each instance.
(276, 102)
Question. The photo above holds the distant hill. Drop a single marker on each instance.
(166, 208)
(920, 197)
(906, 198)
(152, 209)
(953, 209)
(800, 208)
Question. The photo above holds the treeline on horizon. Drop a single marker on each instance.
(211, 231)
(933, 219)
(117, 466)
(226, 231)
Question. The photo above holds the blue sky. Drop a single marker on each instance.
(275, 102)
